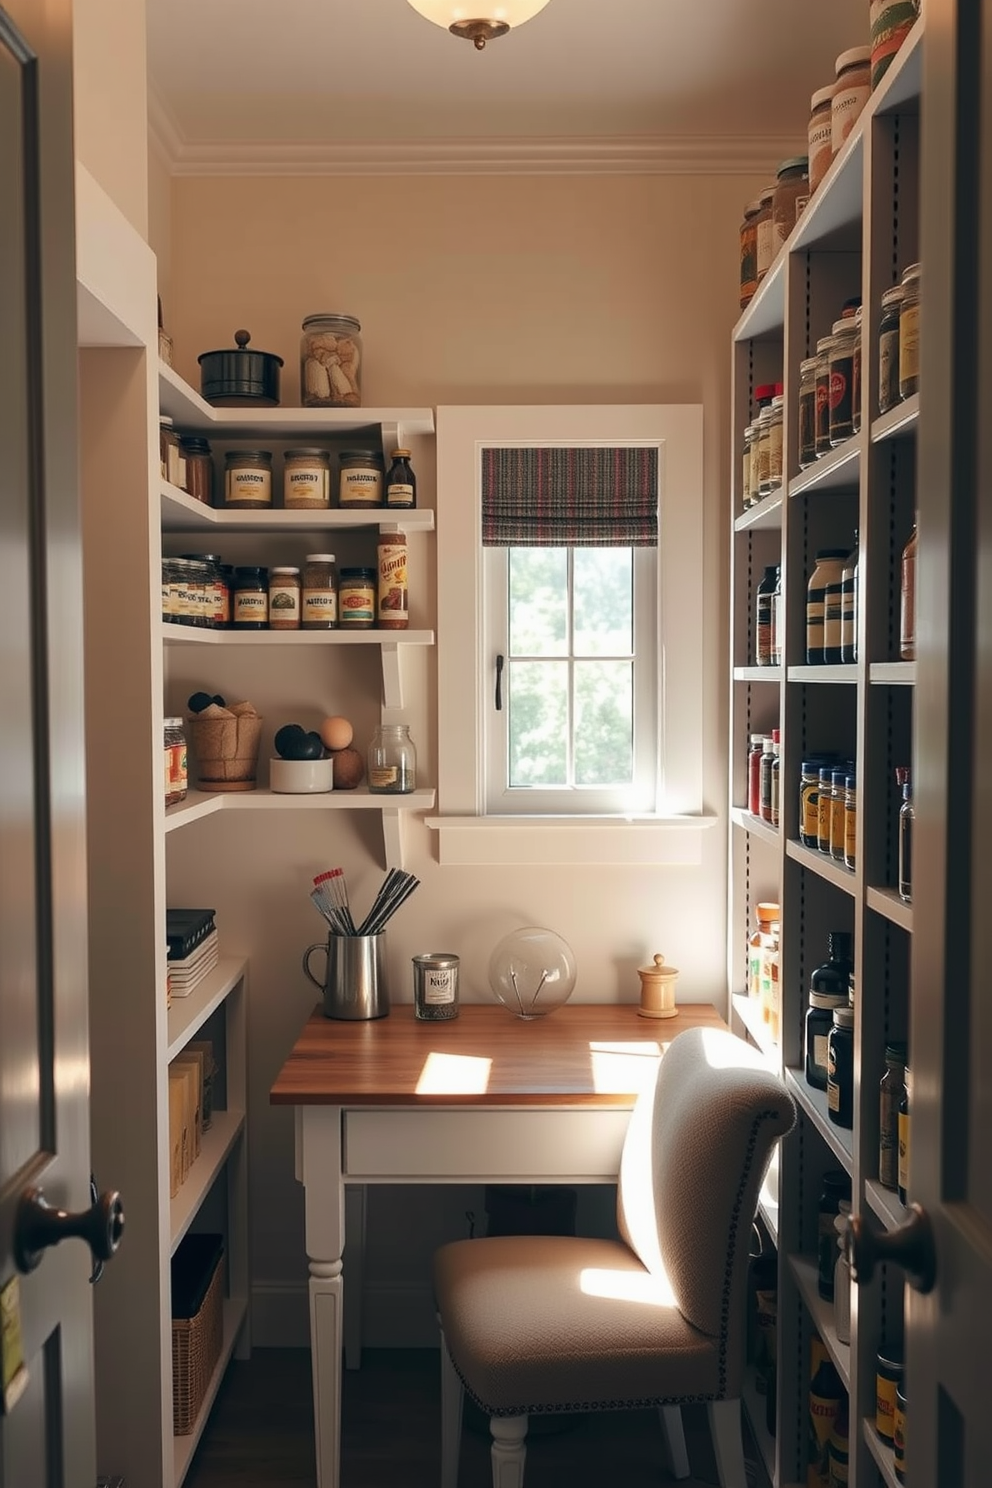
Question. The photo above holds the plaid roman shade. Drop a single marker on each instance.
(604, 497)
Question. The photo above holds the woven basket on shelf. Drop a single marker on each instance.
(196, 1347)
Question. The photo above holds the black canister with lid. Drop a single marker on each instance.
(251, 598)
(840, 1068)
(835, 1185)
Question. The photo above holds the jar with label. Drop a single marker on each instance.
(909, 332)
(771, 989)
(852, 89)
(791, 196)
(819, 1021)
(226, 594)
(763, 616)
(891, 22)
(840, 362)
(392, 611)
(778, 619)
(357, 598)
(820, 135)
(835, 1185)
(766, 915)
(842, 1275)
(401, 483)
(754, 774)
(776, 780)
(889, 1095)
(807, 412)
(888, 349)
(838, 785)
(767, 760)
(170, 455)
(775, 417)
(207, 586)
(247, 480)
(199, 468)
(360, 480)
(833, 612)
(827, 1402)
(250, 600)
(903, 1127)
(306, 480)
(435, 987)
(849, 606)
(856, 375)
(392, 760)
(829, 569)
(319, 593)
(809, 802)
(331, 362)
(749, 252)
(765, 232)
(907, 820)
(907, 599)
(899, 1433)
(748, 497)
(176, 779)
(168, 613)
(284, 598)
(840, 1068)
(825, 808)
(823, 395)
(761, 465)
(888, 1376)
(850, 821)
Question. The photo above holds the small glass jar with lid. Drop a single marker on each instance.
(851, 91)
(331, 362)
(401, 483)
(360, 480)
(791, 196)
(807, 412)
(828, 569)
(199, 468)
(761, 466)
(284, 598)
(250, 600)
(749, 252)
(840, 1068)
(850, 820)
(823, 347)
(247, 480)
(907, 821)
(204, 580)
(765, 232)
(319, 603)
(392, 760)
(856, 375)
(170, 454)
(820, 135)
(306, 480)
(749, 466)
(774, 474)
(889, 1096)
(840, 363)
(176, 779)
(909, 332)
(888, 349)
(357, 598)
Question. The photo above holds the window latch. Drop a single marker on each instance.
(499, 683)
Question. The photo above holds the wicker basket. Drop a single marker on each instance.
(196, 1344)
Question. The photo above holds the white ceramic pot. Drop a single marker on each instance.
(301, 777)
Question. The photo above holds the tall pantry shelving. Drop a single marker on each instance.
(860, 229)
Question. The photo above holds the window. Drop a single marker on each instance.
(592, 601)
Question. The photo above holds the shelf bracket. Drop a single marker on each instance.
(392, 682)
(392, 836)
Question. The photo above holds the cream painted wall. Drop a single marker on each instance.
(160, 226)
(111, 101)
(470, 290)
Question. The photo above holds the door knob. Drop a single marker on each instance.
(38, 1224)
(909, 1245)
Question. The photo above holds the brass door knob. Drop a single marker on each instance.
(909, 1246)
(38, 1225)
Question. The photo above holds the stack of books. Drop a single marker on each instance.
(192, 939)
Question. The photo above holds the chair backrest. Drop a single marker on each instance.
(694, 1158)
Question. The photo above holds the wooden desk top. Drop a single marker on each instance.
(586, 1054)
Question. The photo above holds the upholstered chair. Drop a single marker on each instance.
(547, 1324)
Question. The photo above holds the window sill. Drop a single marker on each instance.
(481, 841)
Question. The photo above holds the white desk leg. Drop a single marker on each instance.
(354, 1228)
(320, 1168)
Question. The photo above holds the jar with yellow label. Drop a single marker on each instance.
(306, 484)
(909, 332)
(357, 598)
(888, 1377)
(284, 599)
(247, 480)
(251, 598)
(360, 480)
(393, 606)
(319, 604)
(392, 762)
(175, 762)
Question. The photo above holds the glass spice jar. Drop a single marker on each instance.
(907, 820)
(392, 609)
(907, 599)
(809, 802)
(851, 91)
(754, 774)
(838, 814)
(778, 619)
(435, 987)
(331, 362)
(401, 483)
(250, 600)
(775, 419)
(909, 333)
(749, 252)
(176, 778)
(206, 584)
(199, 468)
(840, 1068)
(791, 196)
(319, 594)
(824, 808)
(392, 760)
(763, 616)
(850, 821)
(807, 412)
(247, 480)
(889, 1095)
(765, 232)
(750, 438)
(170, 455)
(763, 449)
(820, 135)
(888, 349)
(823, 347)
(306, 481)
(357, 598)
(828, 569)
(891, 22)
(888, 1377)
(849, 606)
(905, 1117)
(856, 375)
(360, 480)
(840, 361)
(284, 598)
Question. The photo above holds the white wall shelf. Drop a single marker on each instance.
(813, 1102)
(187, 1015)
(181, 513)
(188, 635)
(215, 1147)
(840, 470)
(758, 674)
(823, 866)
(898, 422)
(887, 903)
(754, 825)
(885, 1204)
(844, 673)
(821, 1311)
(892, 674)
(764, 516)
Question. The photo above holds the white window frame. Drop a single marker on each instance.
(466, 833)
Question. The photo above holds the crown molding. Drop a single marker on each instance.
(621, 155)
(165, 137)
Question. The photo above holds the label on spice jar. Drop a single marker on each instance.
(360, 487)
(392, 556)
(909, 344)
(308, 485)
(767, 246)
(398, 494)
(384, 777)
(357, 604)
(250, 607)
(438, 985)
(250, 485)
(284, 604)
(320, 607)
(848, 101)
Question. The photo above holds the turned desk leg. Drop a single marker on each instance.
(320, 1171)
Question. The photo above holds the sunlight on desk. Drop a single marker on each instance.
(626, 1065)
(628, 1286)
(454, 1074)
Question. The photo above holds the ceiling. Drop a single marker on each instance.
(233, 79)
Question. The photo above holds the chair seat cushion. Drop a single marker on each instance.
(556, 1323)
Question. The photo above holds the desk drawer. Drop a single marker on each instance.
(481, 1145)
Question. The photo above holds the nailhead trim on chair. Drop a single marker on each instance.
(650, 1402)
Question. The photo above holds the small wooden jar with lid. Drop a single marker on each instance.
(658, 989)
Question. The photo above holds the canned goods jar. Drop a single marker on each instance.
(791, 196)
(207, 585)
(765, 232)
(247, 479)
(392, 610)
(331, 362)
(360, 480)
(749, 252)
(909, 332)
(176, 779)
(888, 1378)
(888, 349)
(840, 1069)
(357, 598)
(840, 363)
(435, 986)
(820, 135)
(251, 598)
(852, 88)
(170, 455)
(319, 605)
(807, 412)
(306, 481)
(284, 599)
(199, 472)
(891, 23)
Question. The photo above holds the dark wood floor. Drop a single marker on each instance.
(261, 1433)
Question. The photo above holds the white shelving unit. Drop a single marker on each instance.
(859, 230)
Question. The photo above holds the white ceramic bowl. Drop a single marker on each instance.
(301, 777)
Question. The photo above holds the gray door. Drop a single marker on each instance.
(46, 1429)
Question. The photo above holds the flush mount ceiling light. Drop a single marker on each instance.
(464, 20)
